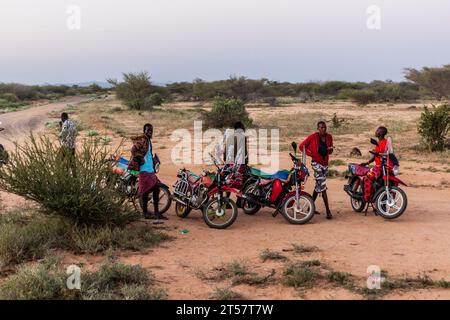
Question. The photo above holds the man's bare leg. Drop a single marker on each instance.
(327, 207)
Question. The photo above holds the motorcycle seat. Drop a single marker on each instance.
(193, 178)
(358, 170)
(264, 182)
(282, 174)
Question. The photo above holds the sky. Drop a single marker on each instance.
(180, 40)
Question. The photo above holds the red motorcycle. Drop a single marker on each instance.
(206, 193)
(388, 200)
(3, 153)
(282, 191)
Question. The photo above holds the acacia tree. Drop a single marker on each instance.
(135, 90)
(435, 80)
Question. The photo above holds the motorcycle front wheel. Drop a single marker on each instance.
(300, 213)
(220, 217)
(391, 207)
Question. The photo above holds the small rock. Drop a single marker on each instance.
(355, 152)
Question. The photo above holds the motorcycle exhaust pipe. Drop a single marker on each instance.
(249, 199)
(352, 194)
(176, 199)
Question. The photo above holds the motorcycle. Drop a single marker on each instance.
(282, 191)
(205, 192)
(127, 184)
(4, 157)
(388, 199)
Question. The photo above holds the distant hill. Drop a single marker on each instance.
(102, 84)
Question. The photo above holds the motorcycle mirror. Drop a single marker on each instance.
(373, 141)
(294, 146)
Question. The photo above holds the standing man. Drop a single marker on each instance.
(234, 148)
(142, 161)
(319, 146)
(68, 133)
(67, 137)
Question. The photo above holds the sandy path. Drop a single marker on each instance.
(19, 123)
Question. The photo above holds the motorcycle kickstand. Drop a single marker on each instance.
(367, 208)
(276, 212)
(374, 210)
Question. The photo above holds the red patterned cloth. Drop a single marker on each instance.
(368, 182)
(147, 181)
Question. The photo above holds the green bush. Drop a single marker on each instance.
(30, 237)
(80, 188)
(10, 97)
(154, 99)
(99, 239)
(24, 238)
(225, 112)
(5, 104)
(225, 294)
(361, 97)
(113, 281)
(300, 275)
(92, 133)
(433, 126)
(267, 254)
(35, 283)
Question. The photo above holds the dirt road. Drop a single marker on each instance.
(19, 123)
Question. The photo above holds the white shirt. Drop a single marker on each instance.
(227, 145)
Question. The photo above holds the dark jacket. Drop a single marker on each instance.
(138, 151)
(311, 144)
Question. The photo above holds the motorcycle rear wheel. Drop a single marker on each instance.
(358, 205)
(165, 201)
(247, 207)
(181, 210)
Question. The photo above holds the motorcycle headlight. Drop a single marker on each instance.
(396, 170)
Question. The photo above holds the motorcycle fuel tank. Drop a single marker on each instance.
(277, 186)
